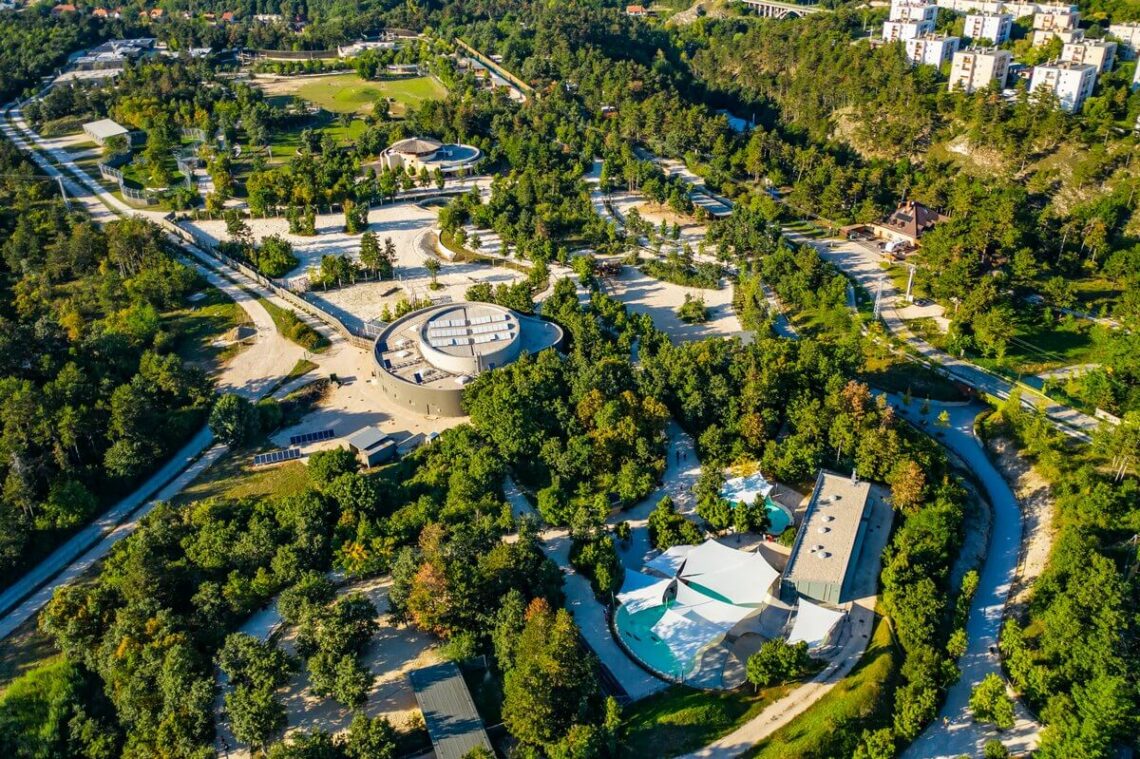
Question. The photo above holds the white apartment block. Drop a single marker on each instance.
(1098, 53)
(913, 10)
(1017, 8)
(976, 68)
(1041, 36)
(1129, 36)
(894, 31)
(994, 27)
(1072, 83)
(931, 49)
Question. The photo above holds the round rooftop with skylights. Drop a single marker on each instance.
(470, 338)
(425, 359)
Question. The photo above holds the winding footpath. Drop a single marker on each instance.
(253, 373)
(954, 733)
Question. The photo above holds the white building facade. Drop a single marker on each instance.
(994, 27)
(931, 49)
(1097, 53)
(1071, 83)
(977, 68)
(1129, 36)
(895, 31)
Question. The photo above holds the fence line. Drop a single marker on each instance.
(294, 299)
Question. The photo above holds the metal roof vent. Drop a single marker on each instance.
(823, 530)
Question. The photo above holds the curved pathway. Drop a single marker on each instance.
(954, 733)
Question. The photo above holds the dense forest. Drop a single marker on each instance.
(93, 394)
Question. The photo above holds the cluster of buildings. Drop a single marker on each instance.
(988, 24)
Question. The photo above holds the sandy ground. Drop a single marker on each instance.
(1037, 507)
(643, 294)
(411, 230)
(392, 653)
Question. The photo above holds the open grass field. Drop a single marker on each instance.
(348, 93)
(200, 324)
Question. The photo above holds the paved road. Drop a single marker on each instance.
(863, 265)
(955, 733)
(253, 373)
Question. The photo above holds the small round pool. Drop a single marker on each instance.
(779, 519)
(636, 631)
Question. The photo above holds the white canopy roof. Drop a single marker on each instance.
(813, 624)
(696, 621)
(743, 577)
(746, 489)
(670, 561)
(641, 591)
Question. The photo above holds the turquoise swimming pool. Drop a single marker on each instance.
(779, 518)
(636, 631)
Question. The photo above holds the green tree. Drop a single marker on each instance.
(233, 420)
(990, 703)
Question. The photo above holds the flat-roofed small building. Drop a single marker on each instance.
(1099, 53)
(994, 27)
(829, 540)
(931, 49)
(976, 68)
(372, 446)
(449, 711)
(103, 130)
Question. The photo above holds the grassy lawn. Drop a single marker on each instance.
(348, 93)
(24, 650)
(283, 144)
(232, 478)
(293, 328)
(681, 719)
(862, 700)
(199, 324)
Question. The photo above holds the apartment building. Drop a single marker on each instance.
(931, 49)
(1056, 21)
(1129, 36)
(913, 10)
(1015, 8)
(894, 31)
(1071, 83)
(994, 27)
(976, 68)
(1099, 53)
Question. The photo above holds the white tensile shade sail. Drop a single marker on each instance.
(742, 577)
(670, 561)
(695, 621)
(813, 624)
(641, 591)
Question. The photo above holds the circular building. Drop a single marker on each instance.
(425, 358)
(425, 153)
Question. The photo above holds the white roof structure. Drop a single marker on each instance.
(641, 591)
(742, 577)
(695, 621)
(104, 129)
(746, 489)
(813, 623)
(670, 561)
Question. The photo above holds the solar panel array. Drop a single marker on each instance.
(312, 437)
(276, 457)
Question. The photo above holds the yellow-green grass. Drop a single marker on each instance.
(348, 93)
(293, 328)
(862, 700)
(26, 649)
(198, 326)
(233, 478)
(682, 719)
(283, 145)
